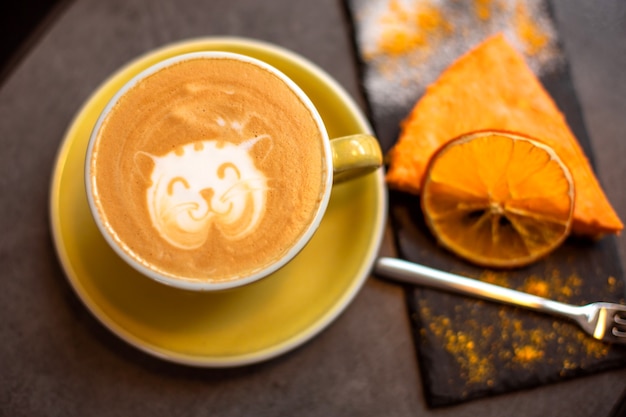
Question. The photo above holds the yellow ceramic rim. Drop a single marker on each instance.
(236, 327)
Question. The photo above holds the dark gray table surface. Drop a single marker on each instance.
(57, 360)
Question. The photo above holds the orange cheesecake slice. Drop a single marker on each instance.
(492, 88)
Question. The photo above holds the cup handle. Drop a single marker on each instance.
(354, 156)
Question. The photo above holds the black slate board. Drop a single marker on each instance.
(469, 348)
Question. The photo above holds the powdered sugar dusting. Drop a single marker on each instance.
(408, 43)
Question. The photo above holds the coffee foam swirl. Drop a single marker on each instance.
(202, 184)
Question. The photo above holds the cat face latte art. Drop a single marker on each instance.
(206, 187)
(209, 171)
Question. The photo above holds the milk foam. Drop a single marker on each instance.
(206, 183)
(209, 170)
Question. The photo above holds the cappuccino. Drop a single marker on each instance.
(208, 169)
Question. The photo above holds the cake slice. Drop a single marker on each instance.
(492, 88)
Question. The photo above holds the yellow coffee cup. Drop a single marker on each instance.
(211, 170)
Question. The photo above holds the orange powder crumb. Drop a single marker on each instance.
(477, 367)
(407, 30)
(477, 344)
(552, 285)
(483, 9)
(420, 24)
(537, 286)
(533, 37)
(527, 354)
(495, 277)
(429, 20)
(396, 40)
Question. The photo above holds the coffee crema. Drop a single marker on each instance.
(209, 169)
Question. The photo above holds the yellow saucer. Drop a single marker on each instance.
(241, 326)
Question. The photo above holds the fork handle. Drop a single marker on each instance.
(412, 273)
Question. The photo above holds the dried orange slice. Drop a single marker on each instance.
(498, 199)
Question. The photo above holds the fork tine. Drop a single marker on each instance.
(618, 333)
(619, 319)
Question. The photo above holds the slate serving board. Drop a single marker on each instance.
(469, 348)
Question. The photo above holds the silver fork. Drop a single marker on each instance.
(603, 321)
